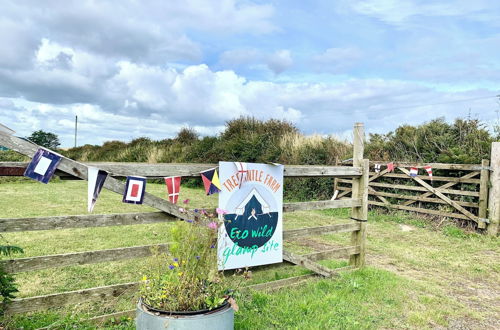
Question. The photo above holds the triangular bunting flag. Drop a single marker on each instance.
(96, 178)
(42, 166)
(173, 188)
(134, 190)
(242, 170)
(390, 167)
(377, 168)
(428, 168)
(413, 172)
(211, 181)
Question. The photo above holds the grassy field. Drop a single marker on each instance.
(418, 276)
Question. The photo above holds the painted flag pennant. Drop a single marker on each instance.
(428, 168)
(211, 181)
(413, 172)
(96, 178)
(242, 170)
(377, 168)
(390, 167)
(42, 166)
(134, 190)
(173, 188)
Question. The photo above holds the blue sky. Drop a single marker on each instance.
(149, 68)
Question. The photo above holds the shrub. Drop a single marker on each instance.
(464, 141)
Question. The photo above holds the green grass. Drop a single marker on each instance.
(422, 278)
(364, 299)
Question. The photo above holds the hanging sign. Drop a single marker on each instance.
(252, 233)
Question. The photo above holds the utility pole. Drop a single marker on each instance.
(76, 128)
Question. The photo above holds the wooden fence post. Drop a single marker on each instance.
(359, 190)
(483, 193)
(494, 199)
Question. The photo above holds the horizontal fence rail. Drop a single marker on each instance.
(79, 258)
(121, 219)
(82, 221)
(89, 257)
(437, 166)
(416, 188)
(112, 292)
(157, 171)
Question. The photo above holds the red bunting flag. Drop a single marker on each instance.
(428, 168)
(390, 167)
(173, 187)
(413, 172)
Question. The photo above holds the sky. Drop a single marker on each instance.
(129, 69)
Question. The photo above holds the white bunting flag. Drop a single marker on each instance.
(413, 172)
(377, 168)
(96, 178)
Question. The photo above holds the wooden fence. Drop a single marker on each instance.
(458, 191)
(169, 212)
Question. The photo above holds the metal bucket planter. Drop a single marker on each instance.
(221, 318)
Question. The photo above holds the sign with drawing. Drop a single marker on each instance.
(252, 197)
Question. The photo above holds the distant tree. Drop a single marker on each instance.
(45, 139)
(187, 135)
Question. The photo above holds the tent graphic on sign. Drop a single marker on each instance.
(254, 194)
(254, 216)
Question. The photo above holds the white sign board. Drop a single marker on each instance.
(252, 196)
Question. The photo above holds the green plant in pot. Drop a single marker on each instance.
(182, 288)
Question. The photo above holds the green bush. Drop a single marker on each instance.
(251, 140)
(466, 141)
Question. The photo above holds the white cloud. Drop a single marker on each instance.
(129, 69)
(280, 61)
(152, 32)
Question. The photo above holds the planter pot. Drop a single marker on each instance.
(221, 318)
